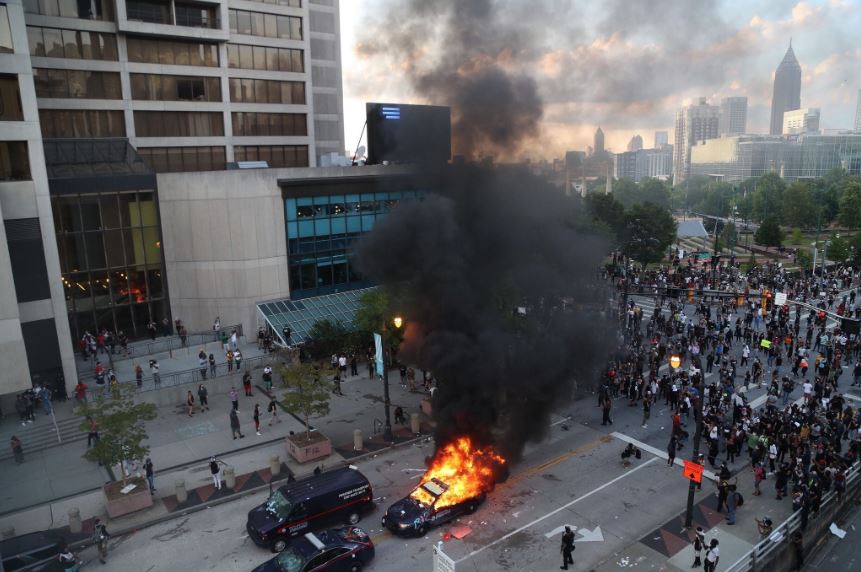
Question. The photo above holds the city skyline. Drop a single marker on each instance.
(733, 51)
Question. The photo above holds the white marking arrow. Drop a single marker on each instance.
(558, 530)
(590, 536)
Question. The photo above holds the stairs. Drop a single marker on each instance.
(41, 434)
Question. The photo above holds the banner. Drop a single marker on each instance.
(378, 343)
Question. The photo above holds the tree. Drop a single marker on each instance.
(803, 258)
(655, 192)
(606, 211)
(308, 391)
(375, 307)
(838, 249)
(769, 232)
(798, 209)
(850, 205)
(327, 337)
(796, 237)
(649, 230)
(768, 197)
(626, 192)
(122, 428)
(855, 248)
(729, 235)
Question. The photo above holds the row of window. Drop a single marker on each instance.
(193, 15)
(14, 161)
(246, 90)
(265, 25)
(248, 123)
(153, 87)
(263, 58)
(179, 124)
(178, 159)
(77, 84)
(66, 123)
(170, 52)
(274, 155)
(10, 99)
(102, 211)
(84, 9)
(290, 3)
(74, 44)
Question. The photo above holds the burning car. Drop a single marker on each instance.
(455, 484)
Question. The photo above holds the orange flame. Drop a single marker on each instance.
(466, 471)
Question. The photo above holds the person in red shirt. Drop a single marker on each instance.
(81, 393)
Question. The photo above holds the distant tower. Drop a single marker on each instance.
(599, 141)
(733, 115)
(694, 124)
(787, 90)
(636, 143)
(661, 139)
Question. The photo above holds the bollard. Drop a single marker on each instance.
(75, 521)
(275, 465)
(9, 532)
(358, 443)
(415, 424)
(229, 477)
(181, 493)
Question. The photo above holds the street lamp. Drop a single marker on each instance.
(698, 411)
(397, 321)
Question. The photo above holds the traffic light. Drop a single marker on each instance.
(766, 301)
(690, 294)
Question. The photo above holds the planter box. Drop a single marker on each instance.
(304, 450)
(118, 504)
(426, 407)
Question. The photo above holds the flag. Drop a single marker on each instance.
(378, 343)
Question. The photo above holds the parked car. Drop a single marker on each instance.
(419, 511)
(36, 551)
(346, 549)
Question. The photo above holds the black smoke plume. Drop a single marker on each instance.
(459, 264)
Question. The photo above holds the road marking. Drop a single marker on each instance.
(558, 510)
(559, 530)
(556, 460)
(658, 453)
(593, 535)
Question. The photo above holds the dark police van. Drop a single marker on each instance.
(326, 499)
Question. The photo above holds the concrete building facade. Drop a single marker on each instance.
(694, 123)
(733, 116)
(801, 121)
(636, 143)
(661, 139)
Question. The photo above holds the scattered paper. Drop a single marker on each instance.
(460, 532)
(131, 486)
(836, 531)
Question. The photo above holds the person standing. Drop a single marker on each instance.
(212, 366)
(201, 363)
(215, 470)
(257, 418)
(150, 475)
(699, 543)
(93, 432)
(234, 398)
(81, 393)
(567, 548)
(189, 402)
(606, 406)
(237, 356)
(17, 449)
(354, 365)
(152, 330)
(731, 504)
(671, 450)
(203, 394)
(139, 375)
(156, 376)
(229, 357)
(234, 425)
(246, 383)
(712, 556)
(272, 408)
(267, 378)
(647, 408)
(100, 539)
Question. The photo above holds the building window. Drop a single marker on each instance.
(290, 3)
(84, 9)
(180, 159)
(248, 123)
(168, 52)
(76, 44)
(266, 25)
(263, 58)
(147, 11)
(66, 123)
(14, 161)
(197, 15)
(10, 99)
(153, 87)
(274, 155)
(6, 45)
(79, 84)
(178, 124)
(244, 90)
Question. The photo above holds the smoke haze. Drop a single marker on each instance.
(457, 264)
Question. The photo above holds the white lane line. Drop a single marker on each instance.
(558, 510)
(658, 453)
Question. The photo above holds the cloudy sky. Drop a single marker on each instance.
(625, 65)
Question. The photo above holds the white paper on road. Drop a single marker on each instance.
(837, 531)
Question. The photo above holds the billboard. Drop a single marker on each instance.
(401, 133)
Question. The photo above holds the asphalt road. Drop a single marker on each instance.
(573, 477)
(839, 555)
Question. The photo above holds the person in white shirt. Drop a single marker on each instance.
(712, 556)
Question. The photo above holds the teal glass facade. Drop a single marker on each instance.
(322, 229)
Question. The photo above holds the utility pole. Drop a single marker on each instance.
(689, 513)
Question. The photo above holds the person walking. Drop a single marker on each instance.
(272, 408)
(17, 449)
(671, 450)
(92, 432)
(606, 406)
(699, 543)
(234, 424)
(202, 395)
(81, 393)
(567, 548)
(189, 403)
(150, 475)
(758, 477)
(100, 539)
(647, 408)
(267, 378)
(246, 383)
(215, 471)
(257, 418)
(234, 398)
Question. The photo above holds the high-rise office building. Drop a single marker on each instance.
(636, 143)
(694, 123)
(858, 113)
(787, 90)
(801, 121)
(733, 115)
(599, 142)
(661, 139)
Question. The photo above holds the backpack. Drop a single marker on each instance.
(739, 499)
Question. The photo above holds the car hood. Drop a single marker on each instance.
(406, 511)
(270, 565)
(262, 520)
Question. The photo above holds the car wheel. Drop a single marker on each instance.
(279, 544)
(355, 567)
(354, 518)
(423, 529)
(471, 507)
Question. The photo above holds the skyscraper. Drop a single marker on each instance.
(787, 90)
(801, 121)
(599, 142)
(694, 123)
(733, 115)
(636, 143)
(858, 113)
(661, 139)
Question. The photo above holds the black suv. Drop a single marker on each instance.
(346, 549)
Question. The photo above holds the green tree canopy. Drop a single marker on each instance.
(768, 197)
(606, 211)
(798, 209)
(327, 337)
(838, 249)
(649, 230)
(308, 391)
(850, 205)
(769, 232)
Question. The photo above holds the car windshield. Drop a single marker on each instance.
(290, 560)
(278, 505)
